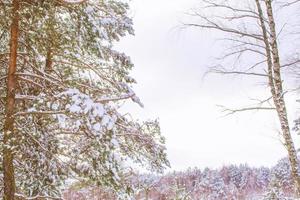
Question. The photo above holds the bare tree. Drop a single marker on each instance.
(251, 28)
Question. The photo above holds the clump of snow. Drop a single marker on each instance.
(96, 115)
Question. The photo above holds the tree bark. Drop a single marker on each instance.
(8, 167)
(275, 84)
(48, 67)
(279, 101)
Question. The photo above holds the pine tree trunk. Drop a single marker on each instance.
(48, 67)
(8, 167)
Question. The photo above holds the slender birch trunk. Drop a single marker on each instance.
(275, 84)
(8, 167)
(280, 102)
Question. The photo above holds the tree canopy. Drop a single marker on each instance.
(69, 86)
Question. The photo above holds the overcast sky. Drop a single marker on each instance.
(169, 66)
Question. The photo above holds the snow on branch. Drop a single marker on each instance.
(37, 197)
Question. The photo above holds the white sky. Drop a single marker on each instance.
(169, 67)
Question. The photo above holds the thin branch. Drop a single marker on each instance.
(290, 64)
(242, 51)
(233, 111)
(290, 3)
(38, 197)
(39, 77)
(219, 71)
(213, 25)
(40, 113)
(31, 82)
(244, 42)
(115, 98)
(72, 1)
(215, 5)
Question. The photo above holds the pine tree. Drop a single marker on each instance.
(64, 85)
(274, 192)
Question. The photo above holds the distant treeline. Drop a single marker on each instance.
(229, 182)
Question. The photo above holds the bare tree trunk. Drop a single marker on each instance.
(279, 101)
(8, 167)
(275, 84)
